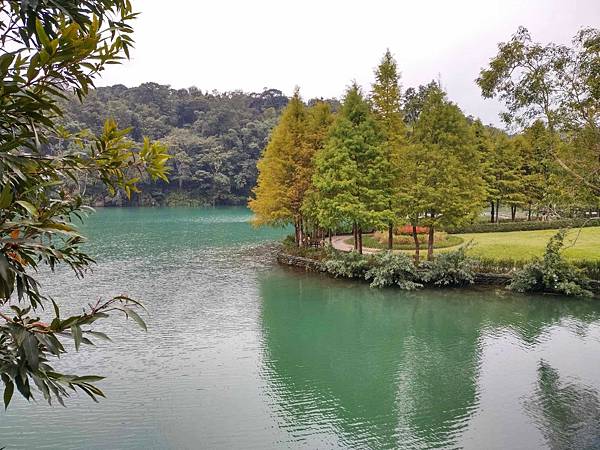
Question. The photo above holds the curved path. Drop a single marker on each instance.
(339, 243)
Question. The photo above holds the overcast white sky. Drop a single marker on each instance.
(321, 45)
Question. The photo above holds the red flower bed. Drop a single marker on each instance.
(408, 229)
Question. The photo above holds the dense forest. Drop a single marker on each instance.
(214, 139)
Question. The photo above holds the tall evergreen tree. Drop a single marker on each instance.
(386, 97)
(443, 166)
(320, 119)
(351, 170)
(502, 169)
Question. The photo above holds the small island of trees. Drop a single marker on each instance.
(388, 160)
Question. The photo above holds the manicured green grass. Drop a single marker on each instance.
(518, 245)
(370, 242)
(524, 245)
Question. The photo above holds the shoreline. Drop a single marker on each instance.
(482, 279)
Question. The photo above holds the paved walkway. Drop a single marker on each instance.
(338, 242)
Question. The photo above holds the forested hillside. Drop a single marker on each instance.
(215, 139)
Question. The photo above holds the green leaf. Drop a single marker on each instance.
(22, 383)
(4, 268)
(30, 347)
(88, 379)
(9, 389)
(41, 33)
(77, 336)
(56, 309)
(99, 335)
(136, 318)
(6, 196)
(5, 62)
(32, 210)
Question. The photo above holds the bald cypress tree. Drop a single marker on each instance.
(283, 170)
(320, 119)
(350, 170)
(443, 167)
(386, 98)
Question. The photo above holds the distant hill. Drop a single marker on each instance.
(215, 138)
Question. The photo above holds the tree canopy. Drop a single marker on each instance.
(559, 85)
(214, 139)
(49, 50)
(352, 170)
(444, 184)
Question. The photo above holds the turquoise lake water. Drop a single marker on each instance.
(241, 353)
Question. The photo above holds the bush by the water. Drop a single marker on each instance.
(453, 268)
(346, 264)
(591, 268)
(390, 269)
(551, 273)
(487, 227)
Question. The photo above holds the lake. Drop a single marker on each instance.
(241, 353)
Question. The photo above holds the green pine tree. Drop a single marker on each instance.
(386, 97)
(351, 171)
(446, 187)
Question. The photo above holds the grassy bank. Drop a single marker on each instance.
(581, 244)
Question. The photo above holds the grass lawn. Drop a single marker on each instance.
(452, 240)
(520, 245)
(523, 245)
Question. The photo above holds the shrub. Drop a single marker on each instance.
(507, 265)
(552, 273)
(181, 199)
(389, 269)
(408, 229)
(496, 265)
(290, 247)
(453, 268)
(590, 268)
(346, 264)
(524, 226)
(289, 241)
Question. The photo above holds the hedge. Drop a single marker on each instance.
(488, 227)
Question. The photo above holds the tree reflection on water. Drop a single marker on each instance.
(566, 412)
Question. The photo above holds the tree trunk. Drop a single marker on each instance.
(529, 213)
(360, 248)
(300, 232)
(493, 212)
(391, 236)
(497, 211)
(417, 244)
(513, 212)
(430, 244)
(355, 233)
(296, 234)
(330, 239)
